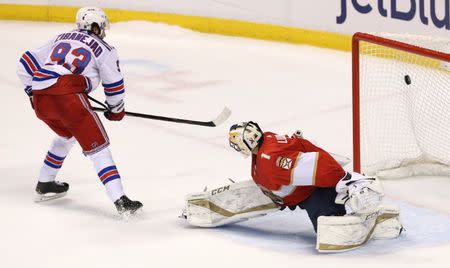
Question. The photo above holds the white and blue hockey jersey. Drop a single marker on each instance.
(75, 52)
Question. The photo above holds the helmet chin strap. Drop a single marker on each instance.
(102, 34)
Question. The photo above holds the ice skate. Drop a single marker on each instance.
(50, 190)
(127, 207)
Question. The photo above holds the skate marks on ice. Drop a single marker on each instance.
(88, 212)
(281, 231)
(76, 207)
(158, 81)
(291, 231)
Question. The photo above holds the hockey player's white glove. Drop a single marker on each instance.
(360, 194)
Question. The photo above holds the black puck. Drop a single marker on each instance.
(407, 80)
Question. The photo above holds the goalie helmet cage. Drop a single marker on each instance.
(401, 105)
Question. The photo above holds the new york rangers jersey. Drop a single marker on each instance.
(75, 52)
(288, 169)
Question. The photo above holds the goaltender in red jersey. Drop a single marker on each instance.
(345, 208)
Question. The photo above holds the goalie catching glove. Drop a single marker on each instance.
(360, 194)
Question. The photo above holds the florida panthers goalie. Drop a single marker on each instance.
(345, 208)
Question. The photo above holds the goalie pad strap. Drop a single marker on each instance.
(215, 208)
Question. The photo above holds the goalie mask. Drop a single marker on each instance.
(92, 19)
(245, 137)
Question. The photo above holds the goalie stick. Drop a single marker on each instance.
(226, 112)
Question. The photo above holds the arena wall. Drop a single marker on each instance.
(323, 23)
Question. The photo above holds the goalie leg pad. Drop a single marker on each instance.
(343, 233)
(337, 234)
(389, 225)
(227, 204)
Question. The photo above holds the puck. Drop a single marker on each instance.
(407, 80)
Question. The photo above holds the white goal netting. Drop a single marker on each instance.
(404, 109)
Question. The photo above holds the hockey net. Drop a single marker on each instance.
(401, 105)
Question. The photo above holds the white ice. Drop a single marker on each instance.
(175, 72)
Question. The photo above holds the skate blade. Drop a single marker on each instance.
(49, 196)
(130, 215)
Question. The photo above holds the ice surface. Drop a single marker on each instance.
(176, 72)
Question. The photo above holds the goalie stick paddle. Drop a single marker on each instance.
(226, 112)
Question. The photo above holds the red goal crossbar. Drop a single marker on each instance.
(357, 38)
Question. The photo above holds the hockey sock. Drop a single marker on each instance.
(108, 173)
(54, 159)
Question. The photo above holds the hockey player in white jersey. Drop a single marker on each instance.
(57, 78)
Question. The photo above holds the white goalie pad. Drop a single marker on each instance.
(389, 225)
(227, 204)
(343, 233)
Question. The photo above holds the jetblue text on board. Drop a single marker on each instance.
(429, 12)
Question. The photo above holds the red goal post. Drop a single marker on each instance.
(386, 44)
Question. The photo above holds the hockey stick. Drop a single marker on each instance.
(226, 112)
